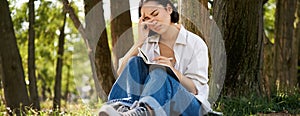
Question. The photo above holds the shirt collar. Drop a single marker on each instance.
(181, 38)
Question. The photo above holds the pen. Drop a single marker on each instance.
(170, 58)
(148, 23)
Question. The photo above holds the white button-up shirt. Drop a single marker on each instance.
(192, 60)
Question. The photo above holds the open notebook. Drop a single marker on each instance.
(153, 65)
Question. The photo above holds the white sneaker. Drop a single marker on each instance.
(108, 110)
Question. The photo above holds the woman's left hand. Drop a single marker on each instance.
(164, 60)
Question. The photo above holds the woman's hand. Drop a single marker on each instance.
(143, 30)
(165, 61)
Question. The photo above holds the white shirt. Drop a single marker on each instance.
(192, 60)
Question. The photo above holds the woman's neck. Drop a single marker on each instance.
(170, 34)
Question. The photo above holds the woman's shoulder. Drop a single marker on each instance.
(190, 35)
(195, 39)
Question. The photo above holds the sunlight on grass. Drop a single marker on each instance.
(69, 109)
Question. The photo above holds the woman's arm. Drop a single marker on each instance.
(186, 82)
(142, 35)
(132, 52)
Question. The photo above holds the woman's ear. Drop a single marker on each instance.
(169, 9)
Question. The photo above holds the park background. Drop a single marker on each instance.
(46, 66)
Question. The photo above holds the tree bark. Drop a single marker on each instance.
(59, 65)
(34, 98)
(241, 27)
(15, 91)
(268, 67)
(102, 54)
(285, 56)
(298, 39)
(194, 15)
(189, 11)
(121, 31)
(66, 95)
(264, 81)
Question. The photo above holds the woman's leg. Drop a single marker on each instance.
(167, 96)
(131, 81)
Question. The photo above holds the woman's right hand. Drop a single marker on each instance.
(143, 30)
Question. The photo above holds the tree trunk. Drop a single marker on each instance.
(285, 56)
(121, 31)
(86, 35)
(66, 96)
(34, 98)
(268, 67)
(195, 17)
(264, 65)
(95, 25)
(59, 65)
(44, 88)
(15, 91)
(241, 27)
(195, 9)
(298, 39)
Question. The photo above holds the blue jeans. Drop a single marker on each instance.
(153, 86)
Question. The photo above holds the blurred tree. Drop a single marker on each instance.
(285, 56)
(96, 26)
(59, 66)
(241, 24)
(34, 98)
(15, 90)
(121, 29)
(46, 27)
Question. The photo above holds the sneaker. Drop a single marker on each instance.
(112, 109)
(108, 110)
(120, 107)
(138, 110)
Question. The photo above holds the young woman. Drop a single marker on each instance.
(144, 90)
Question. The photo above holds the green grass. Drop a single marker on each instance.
(230, 106)
(254, 105)
(69, 109)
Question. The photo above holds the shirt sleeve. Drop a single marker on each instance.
(197, 68)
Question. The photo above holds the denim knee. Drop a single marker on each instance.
(135, 60)
(158, 71)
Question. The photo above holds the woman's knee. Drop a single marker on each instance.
(134, 60)
(159, 73)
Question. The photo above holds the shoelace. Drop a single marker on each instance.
(137, 111)
(123, 108)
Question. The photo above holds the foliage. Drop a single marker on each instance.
(48, 20)
(269, 19)
(77, 67)
(254, 105)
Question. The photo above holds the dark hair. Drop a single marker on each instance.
(174, 15)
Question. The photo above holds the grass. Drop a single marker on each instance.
(253, 105)
(230, 106)
(70, 109)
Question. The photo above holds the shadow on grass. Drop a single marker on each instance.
(254, 105)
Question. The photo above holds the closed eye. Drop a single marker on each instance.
(153, 13)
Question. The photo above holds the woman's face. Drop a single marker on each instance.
(157, 15)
